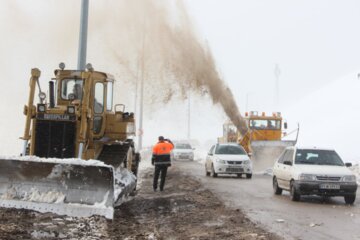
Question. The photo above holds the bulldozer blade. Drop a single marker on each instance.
(265, 153)
(70, 187)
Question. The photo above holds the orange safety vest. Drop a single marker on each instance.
(161, 153)
(162, 148)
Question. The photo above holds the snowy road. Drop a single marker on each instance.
(312, 218)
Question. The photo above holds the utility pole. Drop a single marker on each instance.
(189, 116)
(141, 98)
(277, 73)
(82, 47)
(247, 101)
(83, 34)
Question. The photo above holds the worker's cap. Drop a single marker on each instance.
(161, 138)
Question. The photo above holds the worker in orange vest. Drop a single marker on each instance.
(161, 160)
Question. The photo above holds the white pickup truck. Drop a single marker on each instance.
(313, 171)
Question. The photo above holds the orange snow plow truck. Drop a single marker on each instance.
(78, 156)
(262, 137)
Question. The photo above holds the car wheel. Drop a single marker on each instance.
(239, 175)
(350, 199)
(213, 173)
(276, 188)
(295, 196)
(248, 175)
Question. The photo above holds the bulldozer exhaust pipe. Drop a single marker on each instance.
(51, 94)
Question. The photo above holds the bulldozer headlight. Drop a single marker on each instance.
(70, 109)
(42, 96)
(41, 107)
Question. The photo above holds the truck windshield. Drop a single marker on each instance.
(72, 89)
(318, 157)
(263, 124)
(229, 149)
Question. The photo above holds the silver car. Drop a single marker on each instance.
(228, 158)
(182, 151)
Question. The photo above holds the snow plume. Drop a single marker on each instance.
(156, 41)
(124, 38)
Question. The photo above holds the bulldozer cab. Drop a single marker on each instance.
(79, 119)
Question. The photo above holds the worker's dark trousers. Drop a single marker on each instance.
(163, 170)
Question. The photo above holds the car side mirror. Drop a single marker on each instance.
(250, 155)
(348, 164)
(289, 163)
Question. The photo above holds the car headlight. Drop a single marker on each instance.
(246, 162)
(307, 177)
(220, 161)
(349, 178)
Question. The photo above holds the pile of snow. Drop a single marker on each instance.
(125, 183)
(330, 118)
(70, 161)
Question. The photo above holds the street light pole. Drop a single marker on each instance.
(189, 115)
(277, 73)
(141, 98)
(82, 47)
(247, 101)
(83, 34)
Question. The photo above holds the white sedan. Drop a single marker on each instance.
(228, 158)
(313, 171)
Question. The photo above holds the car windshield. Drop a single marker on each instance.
(230, 149)
(318, 157)
(182, 146)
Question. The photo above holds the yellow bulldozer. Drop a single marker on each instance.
(64, 134)
(262, 137)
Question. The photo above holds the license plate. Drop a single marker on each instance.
(234, 170)
(330, 186)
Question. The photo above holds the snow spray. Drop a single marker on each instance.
(157, 41)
